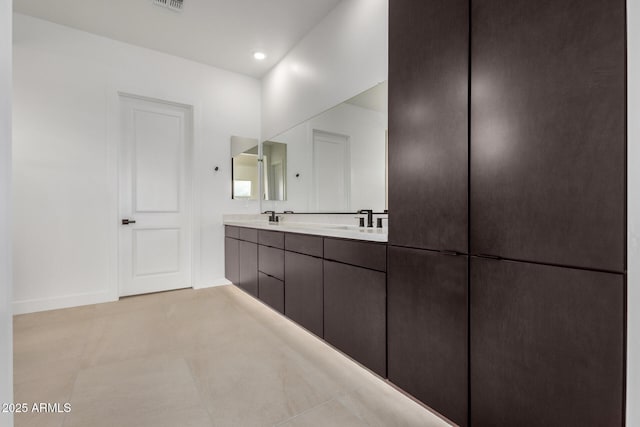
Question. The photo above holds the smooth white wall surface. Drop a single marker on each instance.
(633, 216)
(344, 55)
(6, 334)
(366, 131)
(66, 85)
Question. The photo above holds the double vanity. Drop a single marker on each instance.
(328, 278)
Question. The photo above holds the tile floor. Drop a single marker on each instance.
(211, 357)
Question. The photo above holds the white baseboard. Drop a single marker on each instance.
(212, 284)
(66, 301)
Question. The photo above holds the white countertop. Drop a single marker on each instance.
(316, 229)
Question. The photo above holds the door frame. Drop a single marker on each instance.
(347, 148)
(115, 127)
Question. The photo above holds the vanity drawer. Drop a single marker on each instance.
(231, 231)
(271, 238)
(363, 254)
(248, 234)
(271, 261)
(271, 292)
(304, 244)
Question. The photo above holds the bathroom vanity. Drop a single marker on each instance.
(330, 279)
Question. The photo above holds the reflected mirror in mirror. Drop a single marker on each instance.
(337, 161)
(244, 168)
(274, 160)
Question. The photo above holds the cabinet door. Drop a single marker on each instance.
(428, 328)
(248, 276)
(271, 291)
(304, 296)
(355, 313)
(428, 123)
(548, 131)
(547, 345)
(231, 263)
(271, 261)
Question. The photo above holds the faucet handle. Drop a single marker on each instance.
(379, 221)
(361, 218)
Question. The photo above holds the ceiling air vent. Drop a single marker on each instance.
(170, 4)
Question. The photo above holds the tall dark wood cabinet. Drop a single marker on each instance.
(548, 131)
(547, 345)
(507, 148)
(428, 328)
(248, 262)
(428, 123)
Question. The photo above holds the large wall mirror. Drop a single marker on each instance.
(334, 162)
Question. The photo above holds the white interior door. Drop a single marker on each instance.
(154, 247)
(331, 172)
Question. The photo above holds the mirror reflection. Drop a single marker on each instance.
(244, 168)
(274, 160)
(334, 162)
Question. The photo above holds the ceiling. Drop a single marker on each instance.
(222, 33)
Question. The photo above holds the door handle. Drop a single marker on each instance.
(128, 221)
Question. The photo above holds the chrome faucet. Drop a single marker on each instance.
(369, 213)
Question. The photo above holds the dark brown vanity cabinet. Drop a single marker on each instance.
(428, 328)
(547, 345)
(304, 299)
(271, 291)
(548, 131)
(271, 268)
(248, 267)
(428, 123)
(231, 260)
(355, 313)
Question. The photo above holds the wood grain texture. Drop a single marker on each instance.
(428, 124)
(548, 131)
(547, 345)
(428, 328)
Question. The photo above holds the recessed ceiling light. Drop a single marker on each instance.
(259, 55)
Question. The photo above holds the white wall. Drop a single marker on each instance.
(633, 168)
(6, 334)
(341, 57)
(366, 131)
(65, 200)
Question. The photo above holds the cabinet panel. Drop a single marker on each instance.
(428, 328)
(548, 131)
(355, 313)
(271, 238)
(231, 231)
(271, 261)
(363, 254)
(248, 234)
(304, 295)
(248, 271)
(231, 261)
(271, 291)
(309, 245)
(428, 123)
(547, 345)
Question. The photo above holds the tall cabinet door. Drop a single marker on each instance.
(547, 345)
(548, 131)
(248, 262)
(428, 123)
(427, 313)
